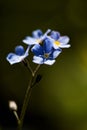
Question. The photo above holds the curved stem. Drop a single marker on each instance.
(26, 99)
(17, 117)
(25, 104)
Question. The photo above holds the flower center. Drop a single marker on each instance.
(46, 55)
(39, 41)
(57, 43)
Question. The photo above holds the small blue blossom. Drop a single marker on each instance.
(45, 54)
(37, 37)
(19, 55)
(59, 41)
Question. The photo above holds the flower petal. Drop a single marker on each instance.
(56, 53)
(64, 39)
(37, 50)
(19, 50)
(64, 45)
(55, 35)
(47, 46)
(38, 60)
(13, 58)
(45, 34)
(30, 41)
(37, 33)
(49, 62)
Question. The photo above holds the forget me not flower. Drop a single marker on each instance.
(45, 54)
(19, 55)
(37, 37)
(59, 41)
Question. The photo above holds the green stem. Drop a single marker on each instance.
(38, 66)
(25, 104)
(29, 67)
(26, 99)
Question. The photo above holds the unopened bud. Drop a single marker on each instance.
(13, 105)
(38, 78)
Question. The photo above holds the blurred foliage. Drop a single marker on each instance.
(59, 101)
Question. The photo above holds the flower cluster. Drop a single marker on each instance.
(45, 47)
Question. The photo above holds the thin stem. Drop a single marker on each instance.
(17, 117)
(26, 99)
(27, 64)
(25, 103)
(38, 66)
(29, 67)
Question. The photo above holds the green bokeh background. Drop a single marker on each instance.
(59, 102)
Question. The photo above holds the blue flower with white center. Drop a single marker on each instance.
(59, 41)
(19, 55)
(37, 37)
(45, 54)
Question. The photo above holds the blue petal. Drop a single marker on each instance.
(30, 41)
(38, 60)
(19, 50)
(37, 33)
(55, 35)
(37, 50)
(49, 62)
(56, 53)
(64, 39)
(47, 46)
(13, 58)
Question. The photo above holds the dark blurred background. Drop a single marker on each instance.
(59, 101)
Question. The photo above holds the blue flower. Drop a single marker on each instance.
(45, 54)
(59, 41)
(19, 55)
(37, 37)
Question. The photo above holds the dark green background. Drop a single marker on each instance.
(59, 102)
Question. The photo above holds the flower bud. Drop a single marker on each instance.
(13, 105)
